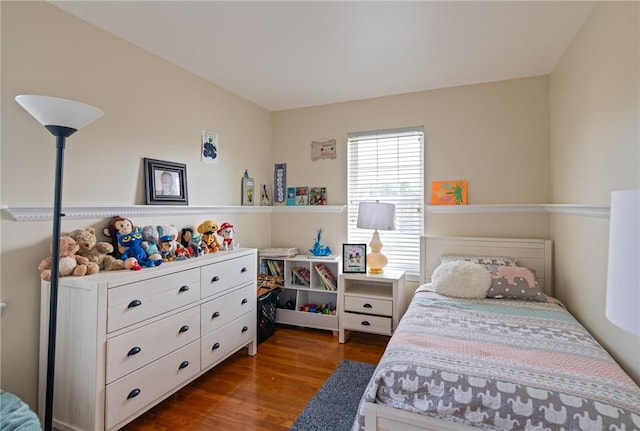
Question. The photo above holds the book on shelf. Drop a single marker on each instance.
(278, 252)
(275, 267)
(328, 278)
(301, 276)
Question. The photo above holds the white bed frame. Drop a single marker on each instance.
(536, 254)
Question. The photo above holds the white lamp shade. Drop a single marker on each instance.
(54, 111)
(376, 215)
(623, 274)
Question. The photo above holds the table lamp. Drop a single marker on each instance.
(62, 118)
(377, 216)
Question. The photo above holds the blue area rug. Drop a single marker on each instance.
(334, 406)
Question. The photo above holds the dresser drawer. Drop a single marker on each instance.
(222, 310)
(221, 276)
(227, 339)
(126, 396)
(136, 302)
(135, 349)
(366, 323)
(360, 304)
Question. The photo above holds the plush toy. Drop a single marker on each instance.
(195, 247)
(117, 225)
(131, 242)
(98, 252)
(165, 249)
(226, 232)
(209, 242)
(69, 263)
(185, 235)
(150, 240)
(172, 232)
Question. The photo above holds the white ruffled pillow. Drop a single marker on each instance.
(461, 279)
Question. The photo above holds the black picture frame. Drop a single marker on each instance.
(165, 183)
(354, 258)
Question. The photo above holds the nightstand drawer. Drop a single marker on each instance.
(135, 349)
(359, 304)
(366, 323)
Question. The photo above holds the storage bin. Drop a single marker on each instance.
(267, 304)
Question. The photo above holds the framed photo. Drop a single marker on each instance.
(354, 258)
(165, 183)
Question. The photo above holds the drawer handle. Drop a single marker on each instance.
(215, 346)
(185, 328)
(134, 393)
(365, 323)
(183, 289)
(244, 301)
(244, 329)
(243, 270)
(215, 278)
(184, 364)
(368, 306)
(134, 351)
(216, 314)
(134, 303)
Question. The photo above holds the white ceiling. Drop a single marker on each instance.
(291, 54)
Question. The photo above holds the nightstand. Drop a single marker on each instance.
(370, 302)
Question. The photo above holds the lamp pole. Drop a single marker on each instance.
(61, 133)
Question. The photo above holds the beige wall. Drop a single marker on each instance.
(493, 135)
(152, 109)
(595, 148)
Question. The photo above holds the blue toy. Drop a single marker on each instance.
(318, 248)
(132, 242)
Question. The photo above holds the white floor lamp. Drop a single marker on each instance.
(623, 274)
(62, 118)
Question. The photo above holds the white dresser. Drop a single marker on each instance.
(128, 339)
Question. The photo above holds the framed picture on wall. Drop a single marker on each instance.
(165, 183)
(354, 258)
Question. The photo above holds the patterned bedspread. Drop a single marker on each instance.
(501, 364)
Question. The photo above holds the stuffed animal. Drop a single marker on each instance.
(209, 241)
(170, 231)
(131, 242)
(151, 240)
(117, 225)
(98, 252)
(69, 263)
(226, 232)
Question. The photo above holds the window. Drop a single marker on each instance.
(387, 165)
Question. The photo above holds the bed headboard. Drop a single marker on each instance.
(533, 253)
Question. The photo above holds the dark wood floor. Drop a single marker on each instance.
(264, 392)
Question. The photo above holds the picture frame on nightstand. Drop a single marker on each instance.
(354, 258)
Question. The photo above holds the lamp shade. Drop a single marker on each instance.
(623, 274)
(376, 215)
(54, 111)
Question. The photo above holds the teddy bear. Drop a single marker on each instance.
(96, 251)
(69, 263)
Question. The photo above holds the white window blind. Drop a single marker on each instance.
(387, 165)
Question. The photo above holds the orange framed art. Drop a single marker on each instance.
(449, 192)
